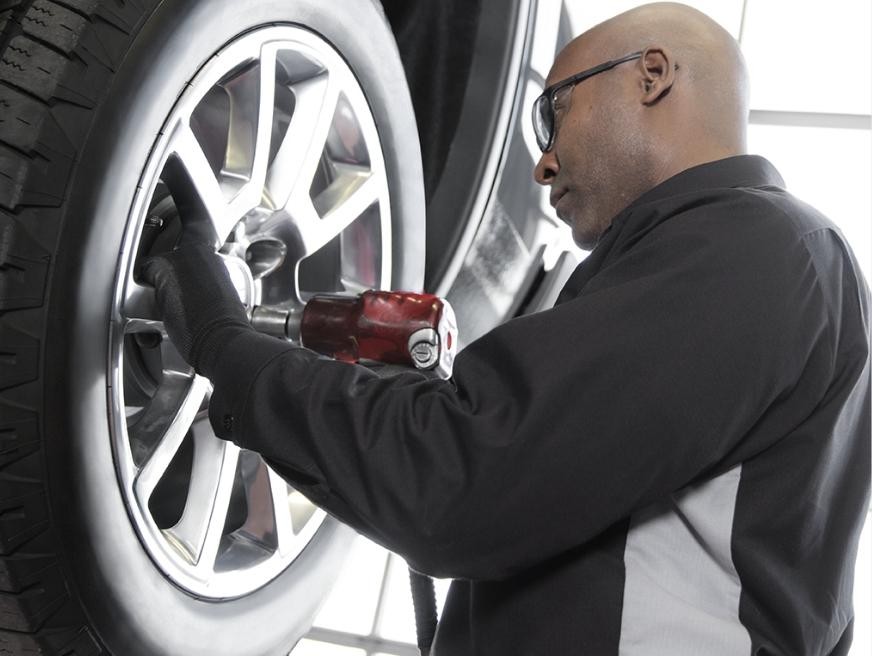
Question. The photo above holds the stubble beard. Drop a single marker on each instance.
(621, 163)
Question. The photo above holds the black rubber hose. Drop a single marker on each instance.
(424, 601)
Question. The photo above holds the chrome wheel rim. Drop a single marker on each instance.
(273, 150)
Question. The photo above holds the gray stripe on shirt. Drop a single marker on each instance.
(681, 592)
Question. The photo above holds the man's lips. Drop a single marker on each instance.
(556, 195)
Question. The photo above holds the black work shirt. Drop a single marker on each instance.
(675, 459)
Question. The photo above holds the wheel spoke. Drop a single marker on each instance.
(260, 524)
(215, 508)
(198, 194)
(166, 439)
(302, 511)
(251, 116)
(243, 91)
(300, 152)
(202, 505)
(343, 203)
(281, 512)
(139, 302)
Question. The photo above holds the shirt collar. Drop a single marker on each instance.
(732, 172)
(654, 206)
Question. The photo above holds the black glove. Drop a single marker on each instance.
(200, 306)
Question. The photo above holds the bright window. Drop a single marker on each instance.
(809, 56)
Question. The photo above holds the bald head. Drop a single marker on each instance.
(683, 102)
(714, 85)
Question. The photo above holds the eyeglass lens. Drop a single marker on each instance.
(543, 121)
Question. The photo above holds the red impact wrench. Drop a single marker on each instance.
(405, 328)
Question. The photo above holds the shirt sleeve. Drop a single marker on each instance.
(556, 425)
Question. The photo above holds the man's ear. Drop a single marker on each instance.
(658, 74)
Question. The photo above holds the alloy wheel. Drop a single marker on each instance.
(273, 151)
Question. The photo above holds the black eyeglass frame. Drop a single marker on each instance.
(548, 95)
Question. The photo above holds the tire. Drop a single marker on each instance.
(86, 89)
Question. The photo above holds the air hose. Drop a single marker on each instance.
(424, 601)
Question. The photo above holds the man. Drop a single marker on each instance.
(673, 460)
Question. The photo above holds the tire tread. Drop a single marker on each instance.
(56, 63)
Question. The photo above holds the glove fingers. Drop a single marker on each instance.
(196, 297)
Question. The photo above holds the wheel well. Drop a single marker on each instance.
(455, 54)
(436, 41)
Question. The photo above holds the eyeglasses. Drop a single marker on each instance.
(543, 108)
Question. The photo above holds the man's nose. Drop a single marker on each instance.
(546, 168)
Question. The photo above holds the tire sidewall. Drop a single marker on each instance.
(130, 604)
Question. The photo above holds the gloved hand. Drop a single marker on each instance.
(200, 307)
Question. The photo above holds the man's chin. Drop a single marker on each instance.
(584, 240)
(577, 237)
